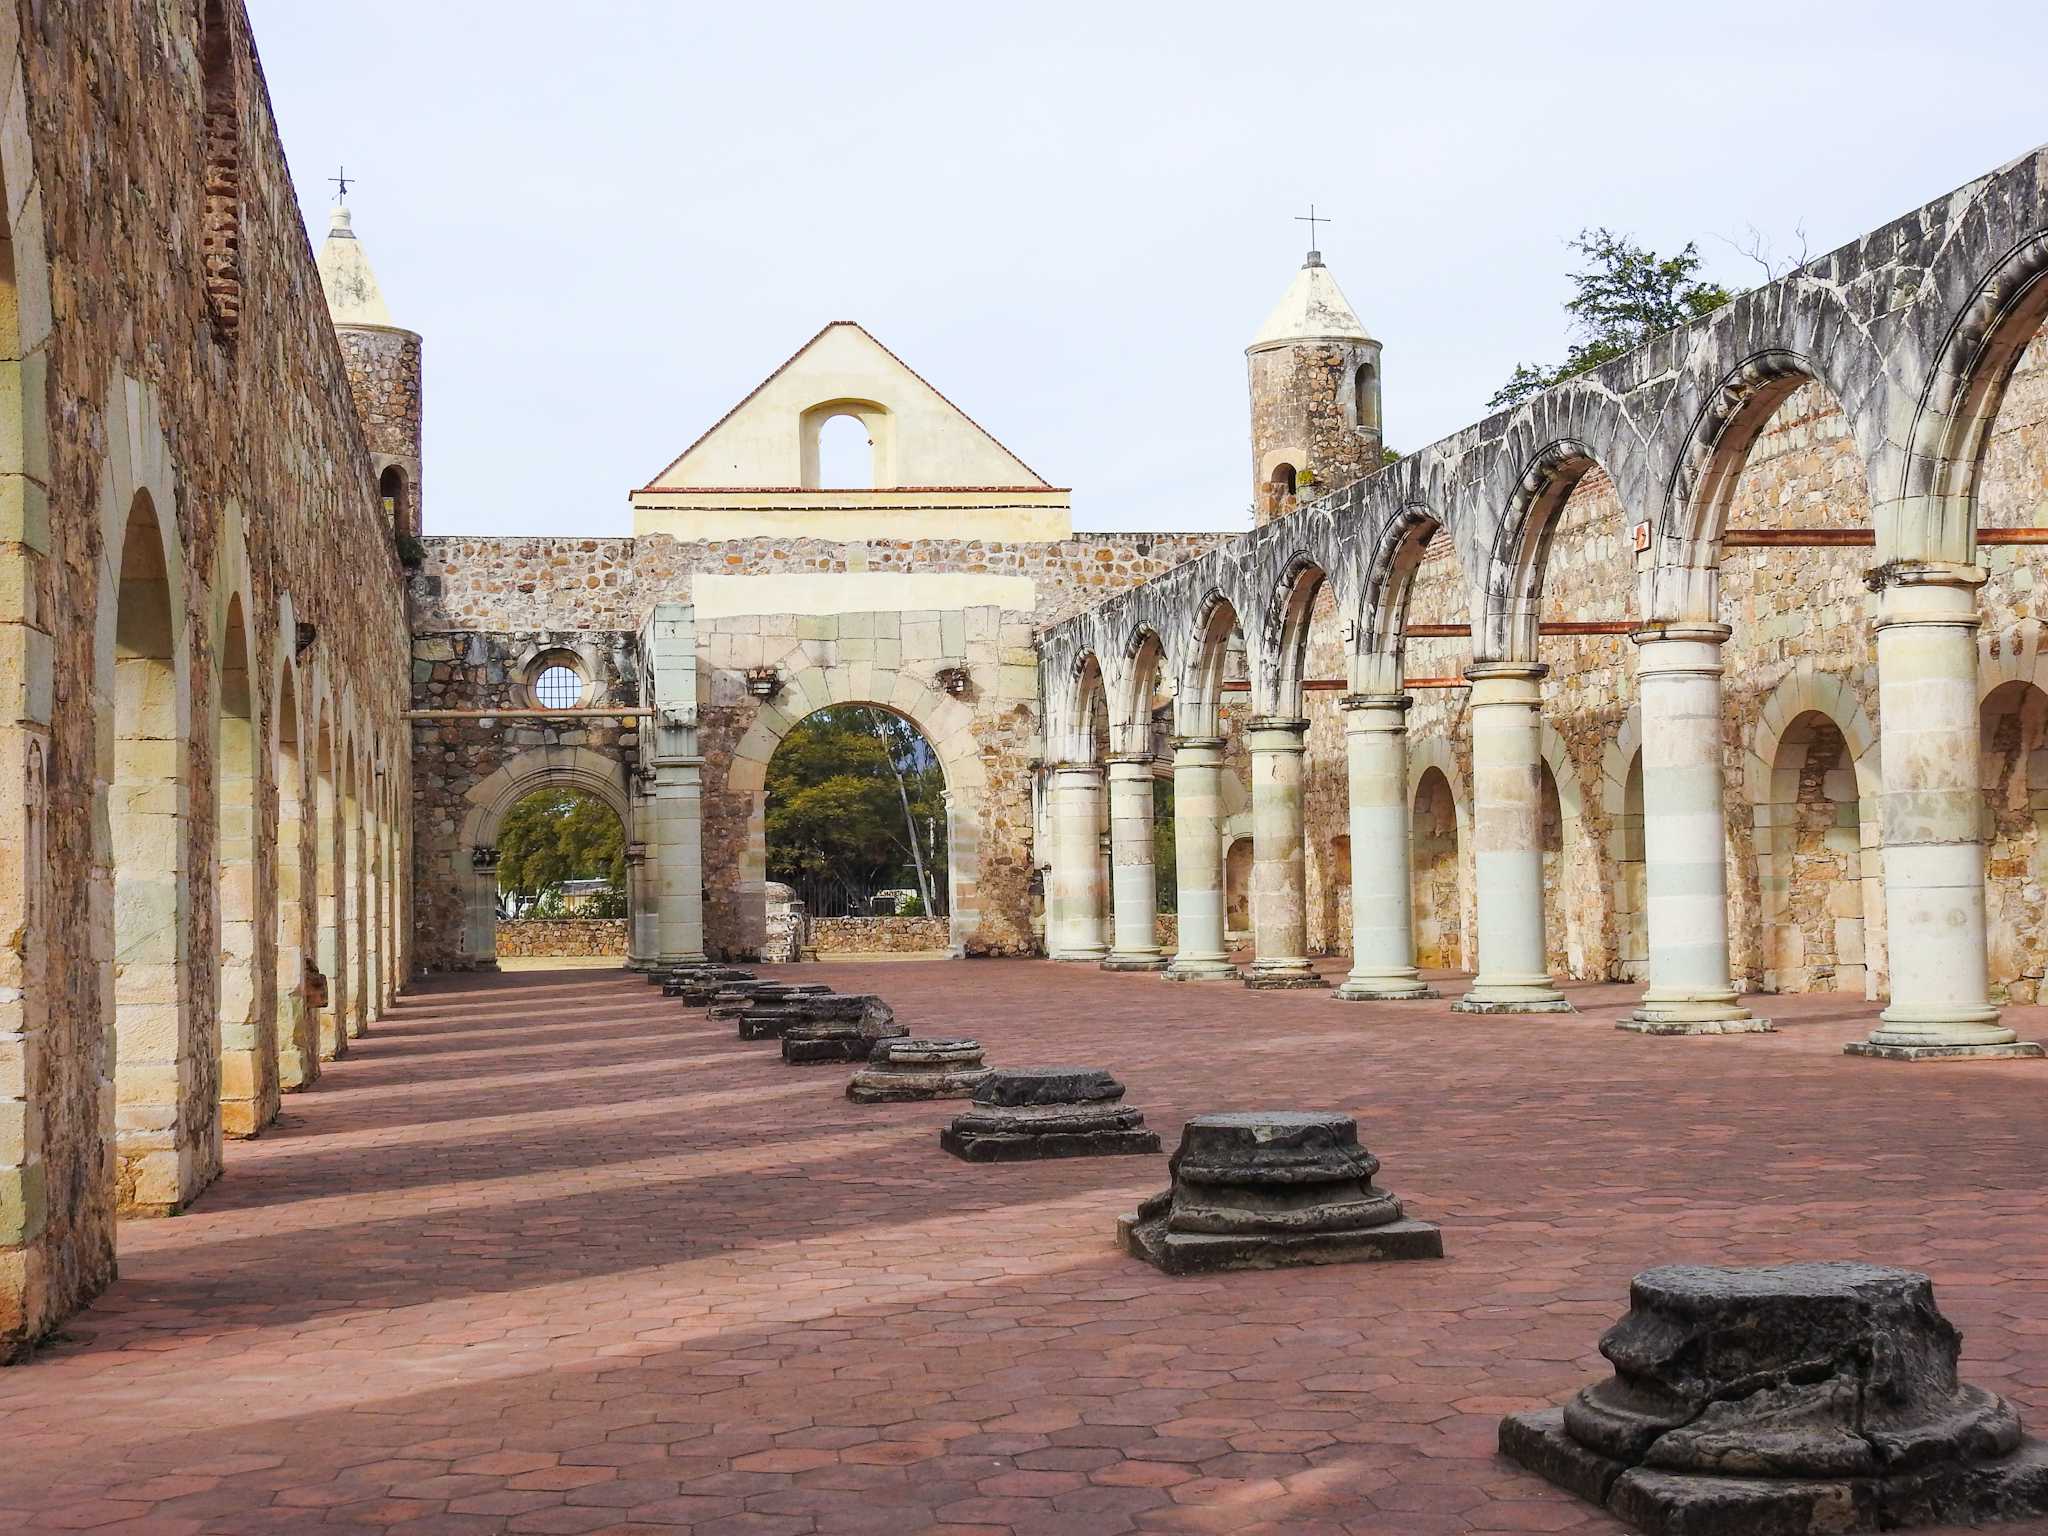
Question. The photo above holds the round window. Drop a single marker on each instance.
(558, 687)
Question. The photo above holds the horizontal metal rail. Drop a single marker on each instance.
(624, 712)
(1853, 538)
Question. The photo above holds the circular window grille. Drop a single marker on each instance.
(558, 688)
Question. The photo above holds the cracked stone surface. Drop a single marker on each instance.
(1803, 1396)
(901, 1071)
(548, 1253)
(1024, 1114)
(1260, 1190)
(838, 1028)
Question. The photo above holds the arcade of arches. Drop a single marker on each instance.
(1583, 690)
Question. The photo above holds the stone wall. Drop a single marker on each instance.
(224, 436)
(878, 935)
(572, 936)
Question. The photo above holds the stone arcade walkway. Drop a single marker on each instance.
(550, 1254)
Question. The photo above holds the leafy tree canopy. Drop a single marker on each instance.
(834, 806)
(1626, 295)
(560, 834)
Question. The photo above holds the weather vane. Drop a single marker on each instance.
(342, 180)
(1311, 219)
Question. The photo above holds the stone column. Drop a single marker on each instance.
(678, 848)
(1134, 885)
(1073, 927)
(483, 908)
(1279, 893)
(639, 953)
(1382, 876)
(1931, 812)
(1507, 840)
(1685, 836)
(1198, 861)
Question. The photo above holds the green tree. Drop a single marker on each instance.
(560, 834)
(856, 792)
(1626, 295)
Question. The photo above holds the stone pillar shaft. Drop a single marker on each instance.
(1134, 884)
(1202, 953)
(1507, 840)
(1279, 884)
(1685, 836)
(678, 850)
(1382, 877)
(1931, 813)
(1074, 905)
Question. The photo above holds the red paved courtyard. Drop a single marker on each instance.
(549, 1253)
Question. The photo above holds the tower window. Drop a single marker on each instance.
(557, 688)
(1367, 386)
(391, 491)
(1282, 485)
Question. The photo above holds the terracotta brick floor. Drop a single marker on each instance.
(551, 1254)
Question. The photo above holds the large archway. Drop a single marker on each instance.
(561, 878)
(856, 828)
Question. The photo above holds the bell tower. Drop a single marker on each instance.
(1315, 395)
(383, 372)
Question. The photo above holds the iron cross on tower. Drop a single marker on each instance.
(1312, 219)
(341, 181)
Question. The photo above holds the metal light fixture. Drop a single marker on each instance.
(954, 679)
(763, 682)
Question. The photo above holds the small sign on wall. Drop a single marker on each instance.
(1642, 537)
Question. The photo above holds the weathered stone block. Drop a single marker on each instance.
(1263, 1190)
(847, 1030)
(1793, 1399)
(1027, 1113)
(900, 1071)
(769, 1017)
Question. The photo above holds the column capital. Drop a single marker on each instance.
(1924, 573)
(1292, 723)
(1506, 671)
(1195, 743)
(1361, 703)
(1074, 765)
(1697, 631)
(1927, 592)
(1273, 733)
(1131, 759)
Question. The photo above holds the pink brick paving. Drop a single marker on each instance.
(551, 1254)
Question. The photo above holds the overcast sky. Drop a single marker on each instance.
(610, 220)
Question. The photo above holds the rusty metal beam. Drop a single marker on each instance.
(624, 712)
(1854, 538)
(1548, 627)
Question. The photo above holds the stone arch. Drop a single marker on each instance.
(1198, 694)
(1289, 610)
(354, 1014)
(1983, 298)
(244, 980)
(474, 861)
(944, 722)
(1621, 798)
(289, 828)
(1442, 890)
(1772, 774)
(2012, 689)
(330, 938)
(1552, 443)
(1572, 882)
(1143, 674)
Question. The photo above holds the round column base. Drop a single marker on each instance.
(1117, 962)
(1217, 969)
(1393, 988)
(1080, 957)
(1513, 994)
(2016, 1050)
(1678, 1013)
(1282, 976)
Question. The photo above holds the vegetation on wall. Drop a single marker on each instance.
(555, 835)
(1626, 295)
(855, 793)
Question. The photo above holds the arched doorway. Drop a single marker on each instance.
(248, 1039)
(561, 878)
(1439, 893)
(2014, 758)
(1817, 847)
(857, 830)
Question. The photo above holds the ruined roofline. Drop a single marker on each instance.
(784, 367)
(1657, 360)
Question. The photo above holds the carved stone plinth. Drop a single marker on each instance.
(899, 1071)
(1263, 1190)
(1021, 1114)
(1798, 1398)
(735, 998)
(836, 1028)
(687, 983)
(773, 1017)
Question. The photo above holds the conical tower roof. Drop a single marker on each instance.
(1313, 309)
(353, 297)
